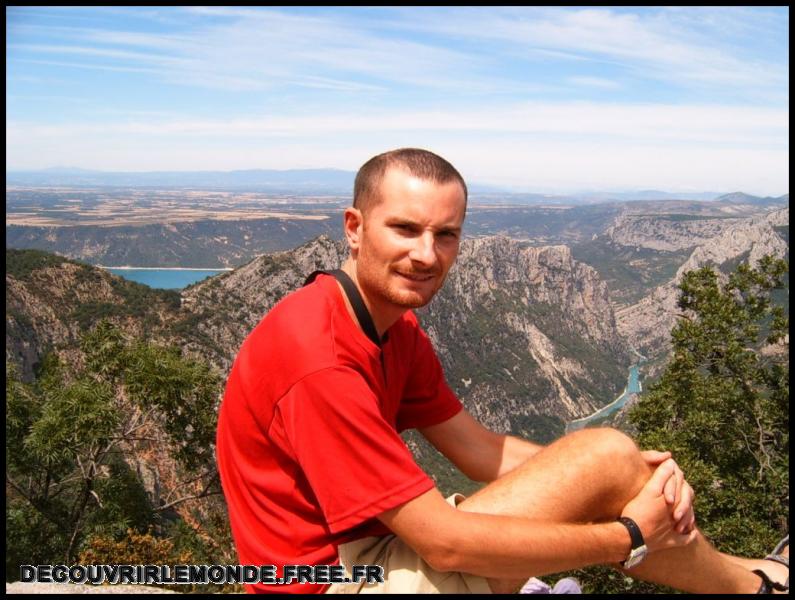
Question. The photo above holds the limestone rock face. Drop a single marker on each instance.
(645, 231)
(521, 331)
(542, 313)
(647, 324)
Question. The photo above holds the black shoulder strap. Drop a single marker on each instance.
(355, 298)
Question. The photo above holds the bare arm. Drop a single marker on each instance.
(500, 546)
(479, 453)
(483, 455)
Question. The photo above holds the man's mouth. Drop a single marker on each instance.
(419, 277)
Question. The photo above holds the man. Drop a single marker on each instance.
(315, 472)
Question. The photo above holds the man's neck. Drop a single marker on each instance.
(383, 317)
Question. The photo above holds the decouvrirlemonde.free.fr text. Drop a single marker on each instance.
(199, 574)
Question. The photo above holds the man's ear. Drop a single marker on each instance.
(353, 222)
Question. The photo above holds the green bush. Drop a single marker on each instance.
(21, 263)
(72, 435)
(722, 406)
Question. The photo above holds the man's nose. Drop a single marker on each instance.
(423, 249)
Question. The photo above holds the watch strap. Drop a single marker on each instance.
(634, 532)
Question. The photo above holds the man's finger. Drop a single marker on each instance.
(655, 457)
(691, 522)
(684, 508)
(660, 477)
(670, 489)
(680, 480)
(685, 502)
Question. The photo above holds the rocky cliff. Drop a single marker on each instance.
(522, 332)
(667, 232)
(202, 244)
(648, 323)
(517, 329)
(51, 300)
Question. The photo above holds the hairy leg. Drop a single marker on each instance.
(589, 476)
(776, 572)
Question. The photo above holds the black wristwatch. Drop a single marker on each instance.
(638, 551)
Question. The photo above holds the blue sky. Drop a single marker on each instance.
(540, 99)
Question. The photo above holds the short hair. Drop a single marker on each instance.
(419, 163)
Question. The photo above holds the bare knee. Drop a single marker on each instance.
(616, 457)
(615, 443)
(606, 443)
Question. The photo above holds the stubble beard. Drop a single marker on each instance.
(376, 281)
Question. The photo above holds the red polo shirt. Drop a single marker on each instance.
(308, 447)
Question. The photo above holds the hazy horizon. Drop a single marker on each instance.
(476, 185)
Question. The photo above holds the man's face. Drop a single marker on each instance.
(409, 240)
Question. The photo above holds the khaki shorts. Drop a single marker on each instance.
(404, 571)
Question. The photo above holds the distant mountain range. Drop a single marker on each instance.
(336, 181)
(317, 181)
(741, 198)
(594, 197)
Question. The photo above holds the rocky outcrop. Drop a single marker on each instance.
(49, 307)
(666, 233)
(521, 331)
(755, 236)
(647, 324)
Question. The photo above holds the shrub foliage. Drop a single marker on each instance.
(82, 445)
(722, 405)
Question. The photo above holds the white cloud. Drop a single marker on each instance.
(594, 82)
(575, 166)
(90, 51)
(459, 48)
(643, 122)
(84, 65)
(675, 50)
(490, 86)
(270, 45)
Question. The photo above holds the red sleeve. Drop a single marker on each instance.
(355, 462)
(427, 399)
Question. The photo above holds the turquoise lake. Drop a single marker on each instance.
(167, 279)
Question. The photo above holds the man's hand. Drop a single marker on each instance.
(678, 493)
(651, 511)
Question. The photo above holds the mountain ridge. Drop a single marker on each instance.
(514, 296)
(337, 181)
(648, 323)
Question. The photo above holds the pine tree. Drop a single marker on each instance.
(722, 405)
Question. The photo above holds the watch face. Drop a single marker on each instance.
(635, 557)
